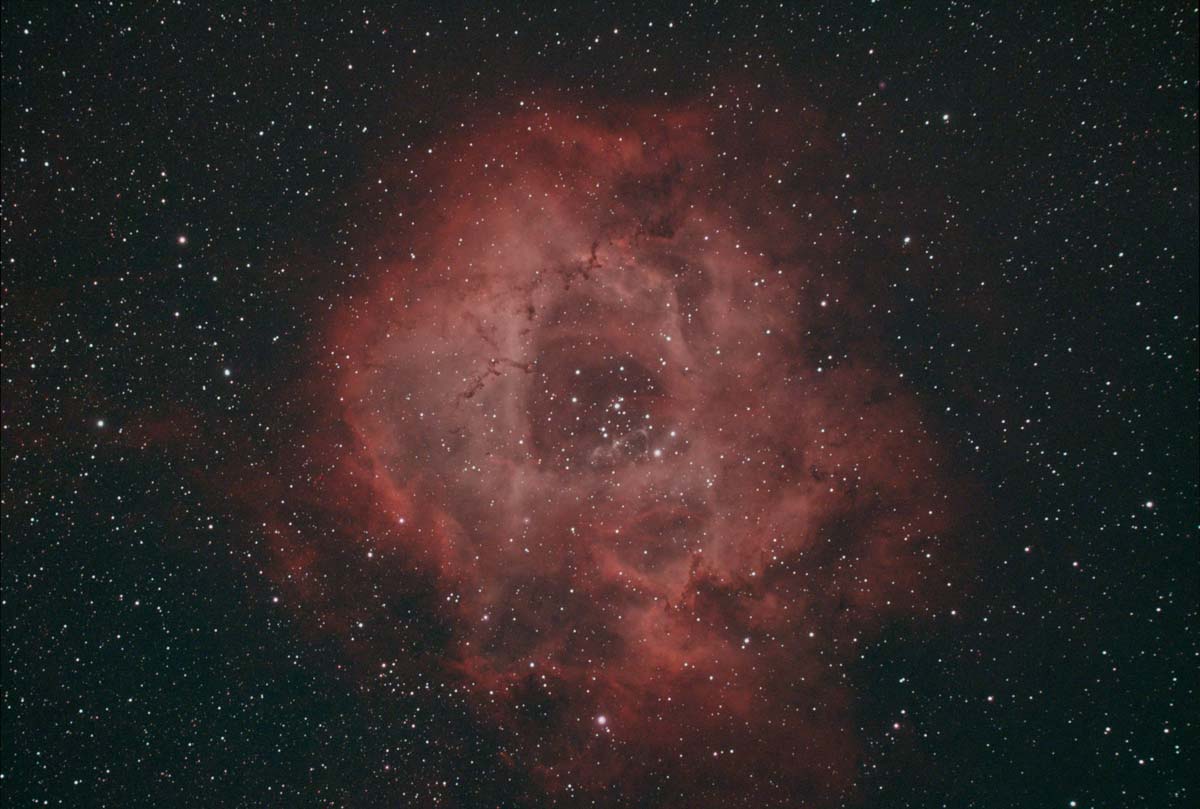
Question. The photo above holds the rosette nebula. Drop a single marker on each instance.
(603, 397)
(643, 406)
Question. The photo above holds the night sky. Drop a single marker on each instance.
(707, 405)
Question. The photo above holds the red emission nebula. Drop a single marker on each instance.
(588, 401)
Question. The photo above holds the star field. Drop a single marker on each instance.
(599, 405)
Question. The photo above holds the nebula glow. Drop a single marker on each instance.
(590, 399)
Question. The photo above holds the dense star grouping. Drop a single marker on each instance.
(735, 404)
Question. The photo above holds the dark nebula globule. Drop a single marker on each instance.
(665, 406)
(589, 401)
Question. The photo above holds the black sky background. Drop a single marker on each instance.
(145, 663)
